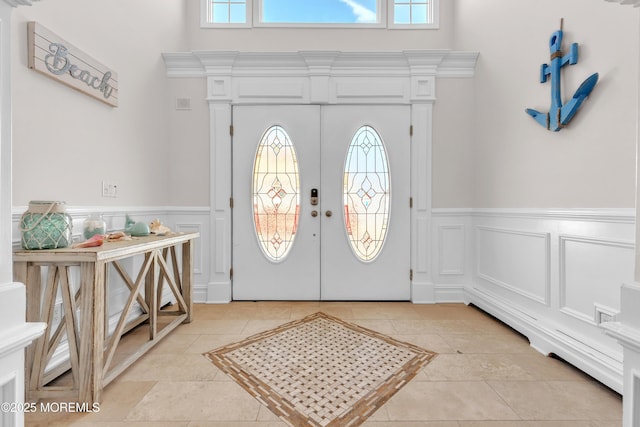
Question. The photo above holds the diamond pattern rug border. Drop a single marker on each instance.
(294, 370)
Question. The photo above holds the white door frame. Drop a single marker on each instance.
(321, 77)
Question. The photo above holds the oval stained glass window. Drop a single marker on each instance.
(276, 193)
(366, 193)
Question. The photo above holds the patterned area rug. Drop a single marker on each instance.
(320, 370)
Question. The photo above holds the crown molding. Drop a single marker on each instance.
(436, 62)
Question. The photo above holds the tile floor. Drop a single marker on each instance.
(485, 375)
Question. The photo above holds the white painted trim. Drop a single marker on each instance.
(546, 339)
(545, 236)
(600, 215)
(442, 245)
(562, 294)
(569, 332)
(436, 62)
(628, 336)
(320, 77)
(16, 339)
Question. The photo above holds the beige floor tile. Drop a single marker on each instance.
(119, 398)
(449, 326)
(474, 367)
(384, 310)
(129, 424)
(431, 342)
(264, 414)
(300, 309)
(256, 326)
(174, 343)
(543, 367)
(237, 424)
(480, 343)
(462, 400)
(485, 374)
(560, 400)
(380, 415)
(382, 326)
(213, 311)
(171, 367)
(525, 424)
(196, 401)
(333, 309)
(410, 424)
(222, 326)
(207, 342)
(453, 311)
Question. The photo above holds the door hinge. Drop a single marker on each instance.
(231, 202)
(411, 274)
(231, 273)
(410, 202)
(411, 130)
(231, 130)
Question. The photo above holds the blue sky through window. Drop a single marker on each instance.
(320, 11)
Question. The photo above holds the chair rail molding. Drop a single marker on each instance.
(321, 78)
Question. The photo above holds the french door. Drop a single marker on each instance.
(321, 202)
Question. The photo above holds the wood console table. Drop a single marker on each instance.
(84, 320)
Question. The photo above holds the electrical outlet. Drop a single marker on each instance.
(109, 189)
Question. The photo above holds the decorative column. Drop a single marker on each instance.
(217, 70)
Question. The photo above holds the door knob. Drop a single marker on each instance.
(314, 213)
(328, 213)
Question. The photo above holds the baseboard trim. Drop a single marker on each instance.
(450, 293)
(605, 368)
(423, 293)
(218, 293)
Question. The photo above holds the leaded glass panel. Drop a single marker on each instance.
(276, 193)
(366, 193)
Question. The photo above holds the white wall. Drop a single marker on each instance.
(189, 147)
(454, 157)
(65, 143)
(590, 164)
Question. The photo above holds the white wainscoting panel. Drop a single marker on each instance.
(552, 275)
(451, 255)
(591, 273)
(515, 260)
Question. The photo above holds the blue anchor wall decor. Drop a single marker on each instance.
(559, 115)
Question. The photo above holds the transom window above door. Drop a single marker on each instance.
(393, 14)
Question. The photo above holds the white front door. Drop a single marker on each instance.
(321, 203)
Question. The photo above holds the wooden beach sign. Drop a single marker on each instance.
(53, 56)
